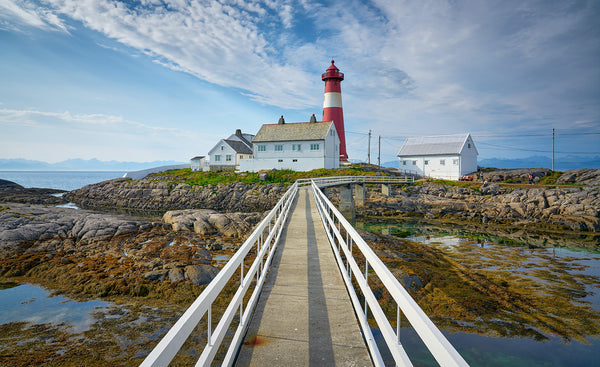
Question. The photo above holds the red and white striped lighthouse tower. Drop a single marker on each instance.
(332, 105)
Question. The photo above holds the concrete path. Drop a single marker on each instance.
(304, 316)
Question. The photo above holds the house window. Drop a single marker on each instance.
(296, 147)
(279, 148)
(442, 162)
(469, 145)
(414, 163)
(222, 147)
(314, 146)
(294, 160)
(280, 160)
(455, 162)
(217, 158)
(404, 163)
(262, 148)
(228, 158)
(426, 162)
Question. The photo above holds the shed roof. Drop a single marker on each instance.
(434, 145)
(238, 146)
(292, 131)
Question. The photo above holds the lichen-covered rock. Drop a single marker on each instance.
(158, 196)
(200, 274)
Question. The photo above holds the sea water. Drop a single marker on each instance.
(60, 180)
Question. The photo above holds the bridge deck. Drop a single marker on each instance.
(304, 315)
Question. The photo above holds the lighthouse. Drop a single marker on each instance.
(332, 104)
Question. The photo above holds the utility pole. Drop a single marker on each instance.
(379, 154)
(552, 149)
(369, 153)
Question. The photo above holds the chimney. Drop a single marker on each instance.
(313, 119)
(281, 121)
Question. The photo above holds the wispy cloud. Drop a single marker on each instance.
(411, 66)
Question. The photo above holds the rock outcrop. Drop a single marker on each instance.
(206, 222)
(574, 208)
(160, 196)
(15, 193)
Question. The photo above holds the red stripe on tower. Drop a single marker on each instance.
(332, 104)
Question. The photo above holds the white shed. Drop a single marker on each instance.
(300, 146)
(198, 163)
(447, 156)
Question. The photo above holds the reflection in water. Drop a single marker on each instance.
(500, 305)
(32, 304)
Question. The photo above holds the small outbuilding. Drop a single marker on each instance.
(198, 163)
(446, 157)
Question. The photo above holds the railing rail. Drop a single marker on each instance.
(344, 240)
(264, 240)
(342, 180)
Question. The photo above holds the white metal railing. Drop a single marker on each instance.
(344, 240)
(264, 240)
(342, 180)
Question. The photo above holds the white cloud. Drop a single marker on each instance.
(14, 13)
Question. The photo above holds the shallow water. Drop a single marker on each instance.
(34, 304)
(546, 268)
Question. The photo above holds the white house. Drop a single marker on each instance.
(447, 157)
(300, 146)
(227, 153)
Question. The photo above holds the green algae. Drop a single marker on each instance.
(494, 289)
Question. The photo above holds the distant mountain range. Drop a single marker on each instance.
(79, 165)
(561, 163)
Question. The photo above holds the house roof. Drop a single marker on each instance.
(292, 131)
(238, 146)
(434, 145)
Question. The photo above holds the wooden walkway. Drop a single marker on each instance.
(304, 316)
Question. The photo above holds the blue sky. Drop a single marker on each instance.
(165, 80)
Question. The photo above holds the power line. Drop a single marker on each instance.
(497, 146)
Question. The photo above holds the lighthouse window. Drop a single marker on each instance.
(314, 147)
(279, 148)
(262, 148)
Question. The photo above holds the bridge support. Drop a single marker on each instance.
(347, 201)
(360, 194)
(386, 189)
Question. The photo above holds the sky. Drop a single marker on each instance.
(153, 80)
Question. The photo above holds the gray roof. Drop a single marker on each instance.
(239, 147)
(434, 145)
(292, 132)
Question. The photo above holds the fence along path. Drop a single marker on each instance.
(304, 315)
